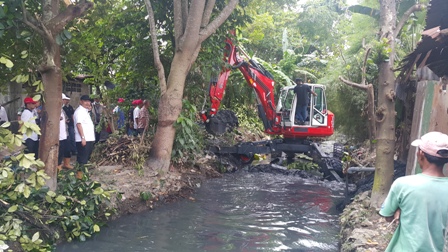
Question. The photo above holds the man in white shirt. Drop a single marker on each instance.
(31, 141)
(138, 103)
(3, 115)
(84, 130)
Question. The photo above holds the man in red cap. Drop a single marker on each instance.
(31, 141)
(419, 202)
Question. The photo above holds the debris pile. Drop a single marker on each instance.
(121, 150)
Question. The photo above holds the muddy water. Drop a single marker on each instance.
(240, 212)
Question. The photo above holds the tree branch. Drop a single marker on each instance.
(178, 31)
(57, 24)
(218, 21)
(28, 217)
(207, 13)
(32, 23)
(185, 12)
(155, 48)
(405, 17)
(364, 66)
(352, 84)
(193, 24)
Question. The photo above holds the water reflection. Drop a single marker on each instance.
(240, 212)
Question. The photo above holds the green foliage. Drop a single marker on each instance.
(304, 163)
(31, 215)
(380, 51)
(145, 196)
(81, 204)
(248, 118)
(189, 141)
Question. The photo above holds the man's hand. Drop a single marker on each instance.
(395, 217)
(83, 142)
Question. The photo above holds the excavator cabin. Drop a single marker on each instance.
(320, 121)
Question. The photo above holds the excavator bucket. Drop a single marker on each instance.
(223, 121)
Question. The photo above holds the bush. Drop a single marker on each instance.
(189, 141)
(33, 216)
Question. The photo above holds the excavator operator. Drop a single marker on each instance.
(302, 91)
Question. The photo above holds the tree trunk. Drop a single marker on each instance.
(48, 26)
(51, 113)
(385, 113)
(170, 106)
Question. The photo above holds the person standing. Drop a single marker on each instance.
(143, 117)
(419, 202)
(63, 142)
(303, 97)
(119, 112)
(3, 115)
(136, 114)
(84, 130)
(31, 141)
(69, 111)
(97, 111)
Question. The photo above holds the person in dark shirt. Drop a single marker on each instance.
(69, 111)
(303, 96)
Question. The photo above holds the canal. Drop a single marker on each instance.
(240, 212)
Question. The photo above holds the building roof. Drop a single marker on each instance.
(432, 50)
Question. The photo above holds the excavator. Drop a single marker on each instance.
(278, 118)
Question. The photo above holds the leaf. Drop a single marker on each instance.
(25, 33)
(98, 190)
(51, 193)
(35, 237)
(67, 34)
(49, 199)
(12, 209)
(25, 163)
(61, 199)
(96, 228)
(19, 188)
(40, 181)
(6, 124)
(26, 191)
(8, 63)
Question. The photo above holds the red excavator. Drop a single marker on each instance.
(277, 120)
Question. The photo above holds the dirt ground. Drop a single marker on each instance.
(362, 228)
(135, 191)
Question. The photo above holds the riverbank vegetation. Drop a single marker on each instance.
(170, 63)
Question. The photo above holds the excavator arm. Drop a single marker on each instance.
(217, 122)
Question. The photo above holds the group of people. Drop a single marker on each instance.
(77, 133)
(138, 117)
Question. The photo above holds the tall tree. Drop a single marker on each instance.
(390, 27)
(48, 19)
(194, 22)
